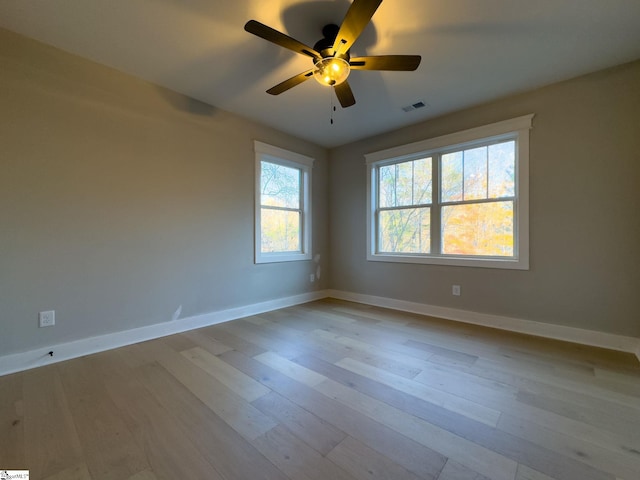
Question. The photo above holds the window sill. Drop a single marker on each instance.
(451, 260)
(282, 257)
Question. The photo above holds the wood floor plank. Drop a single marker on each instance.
(410, 454)
(231, 454)
(165, 441)
(526, 473)
(491, 439)
(145, 475)
(209, 344)
(627, 428)
(368, 337)
(365, 463)
(233, 409)
(235, 380)
(180, 342)
(294, 318)
(257, 336)
(575, 429)
(285, 333)
(455, 471)
(621, 464)
(284, 341)
(472, 387)
(49, 431)
(290, 369)
(295, 458)
(539, 384)
(443, 355)
(110, 450)
(395, 363)
(627, 395)
(328, 348)
(443, 399)
(77, 472)
(315, 432)
(12, 454)
(474, 456)
(236, 343)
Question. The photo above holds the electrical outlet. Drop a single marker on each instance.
(47, 319)
(455, 290)
(312, 278)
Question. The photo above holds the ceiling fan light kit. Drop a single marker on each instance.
(332, 62)
(331, 71)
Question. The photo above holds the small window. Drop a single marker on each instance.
(460, 199)
(283, 205)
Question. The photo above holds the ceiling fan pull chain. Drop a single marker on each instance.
(333, 108)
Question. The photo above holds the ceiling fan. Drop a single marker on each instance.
(331, 59)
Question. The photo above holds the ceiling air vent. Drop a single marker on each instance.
(414, 106)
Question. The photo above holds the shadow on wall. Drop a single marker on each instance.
(187, 104)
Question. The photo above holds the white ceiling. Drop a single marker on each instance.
(472, 51)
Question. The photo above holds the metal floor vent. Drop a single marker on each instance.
(414, 106)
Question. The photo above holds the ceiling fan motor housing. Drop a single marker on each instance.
(324, 46)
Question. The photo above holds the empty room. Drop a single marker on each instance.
(326, 239)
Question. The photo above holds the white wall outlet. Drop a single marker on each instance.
(455, 290)
(312, 278)
(47, 319)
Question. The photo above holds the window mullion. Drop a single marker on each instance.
(376, 212)
(479, 200)
(436, 230)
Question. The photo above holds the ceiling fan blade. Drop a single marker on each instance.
(357, 17)
(344, 94)
(274, 36)
(291, 82)
(405, 63)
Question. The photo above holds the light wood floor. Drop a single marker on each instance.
(329, 391)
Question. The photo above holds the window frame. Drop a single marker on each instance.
(514, 129)
(286, 158)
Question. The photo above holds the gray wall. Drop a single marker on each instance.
(121, 201)
(585, 211)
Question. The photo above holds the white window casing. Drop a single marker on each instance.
(302, 163)
(516, 129)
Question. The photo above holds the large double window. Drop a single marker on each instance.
(283, 205)
(460, 199)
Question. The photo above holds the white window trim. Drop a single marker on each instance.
(284, 157)
(519, 127)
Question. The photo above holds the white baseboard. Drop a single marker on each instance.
(78, 348)
(546, 330)
(86, 346)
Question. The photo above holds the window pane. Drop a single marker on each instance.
(475, 173)
(478, 229)
(387, 186)
(280, 231)
(502, 170)
(406, 183)
(407, 230)
(422, 181)
(279, 185)
(451, 177)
